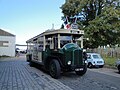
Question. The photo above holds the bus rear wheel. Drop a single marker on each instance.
(31, 64)
(55, 69)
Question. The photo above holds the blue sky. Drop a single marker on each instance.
(28, 18)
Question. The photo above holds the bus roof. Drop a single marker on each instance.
(58, 31)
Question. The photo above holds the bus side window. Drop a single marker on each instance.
(40, 48)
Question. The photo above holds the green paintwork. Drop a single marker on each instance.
(73, 53)
(69, 52)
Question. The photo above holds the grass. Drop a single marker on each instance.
(110, 61)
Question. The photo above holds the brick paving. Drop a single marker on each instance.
(16, 74)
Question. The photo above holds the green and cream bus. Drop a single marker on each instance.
(58, 51)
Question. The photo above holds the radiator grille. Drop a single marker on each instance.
(77, 57)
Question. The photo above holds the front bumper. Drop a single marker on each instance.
(79, 69)
(76, 68)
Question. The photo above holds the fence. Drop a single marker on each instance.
(107, 51)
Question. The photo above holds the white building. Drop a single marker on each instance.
(7, 43)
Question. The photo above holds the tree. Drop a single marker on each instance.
(88, 8)
(105, 29)
(101, 20)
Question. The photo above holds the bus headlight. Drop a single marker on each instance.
(86, 62)
(69, 62)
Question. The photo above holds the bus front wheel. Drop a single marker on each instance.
(54, 69)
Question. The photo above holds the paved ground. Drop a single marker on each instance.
(92, 80)
(107, 71)
(16, 74)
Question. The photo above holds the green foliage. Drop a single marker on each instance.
(89, 8)
(72, 7)
(102, 20)
(110, 61)
(105, 29)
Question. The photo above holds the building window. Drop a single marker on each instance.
(4, 43)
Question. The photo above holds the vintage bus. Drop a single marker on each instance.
(57, 51)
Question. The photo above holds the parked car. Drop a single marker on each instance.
(118, 65)
(94, 60)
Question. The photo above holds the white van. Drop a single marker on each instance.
(94, 60)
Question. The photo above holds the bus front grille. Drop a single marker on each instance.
(77, 57)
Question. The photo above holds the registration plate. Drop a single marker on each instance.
(79, 69)
(99, 61)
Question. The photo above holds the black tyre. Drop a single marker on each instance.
(31, 64)
(119, 69)
(90, 65)
(54, 69)
(101, 66)
(82, 72)
(29, 57)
